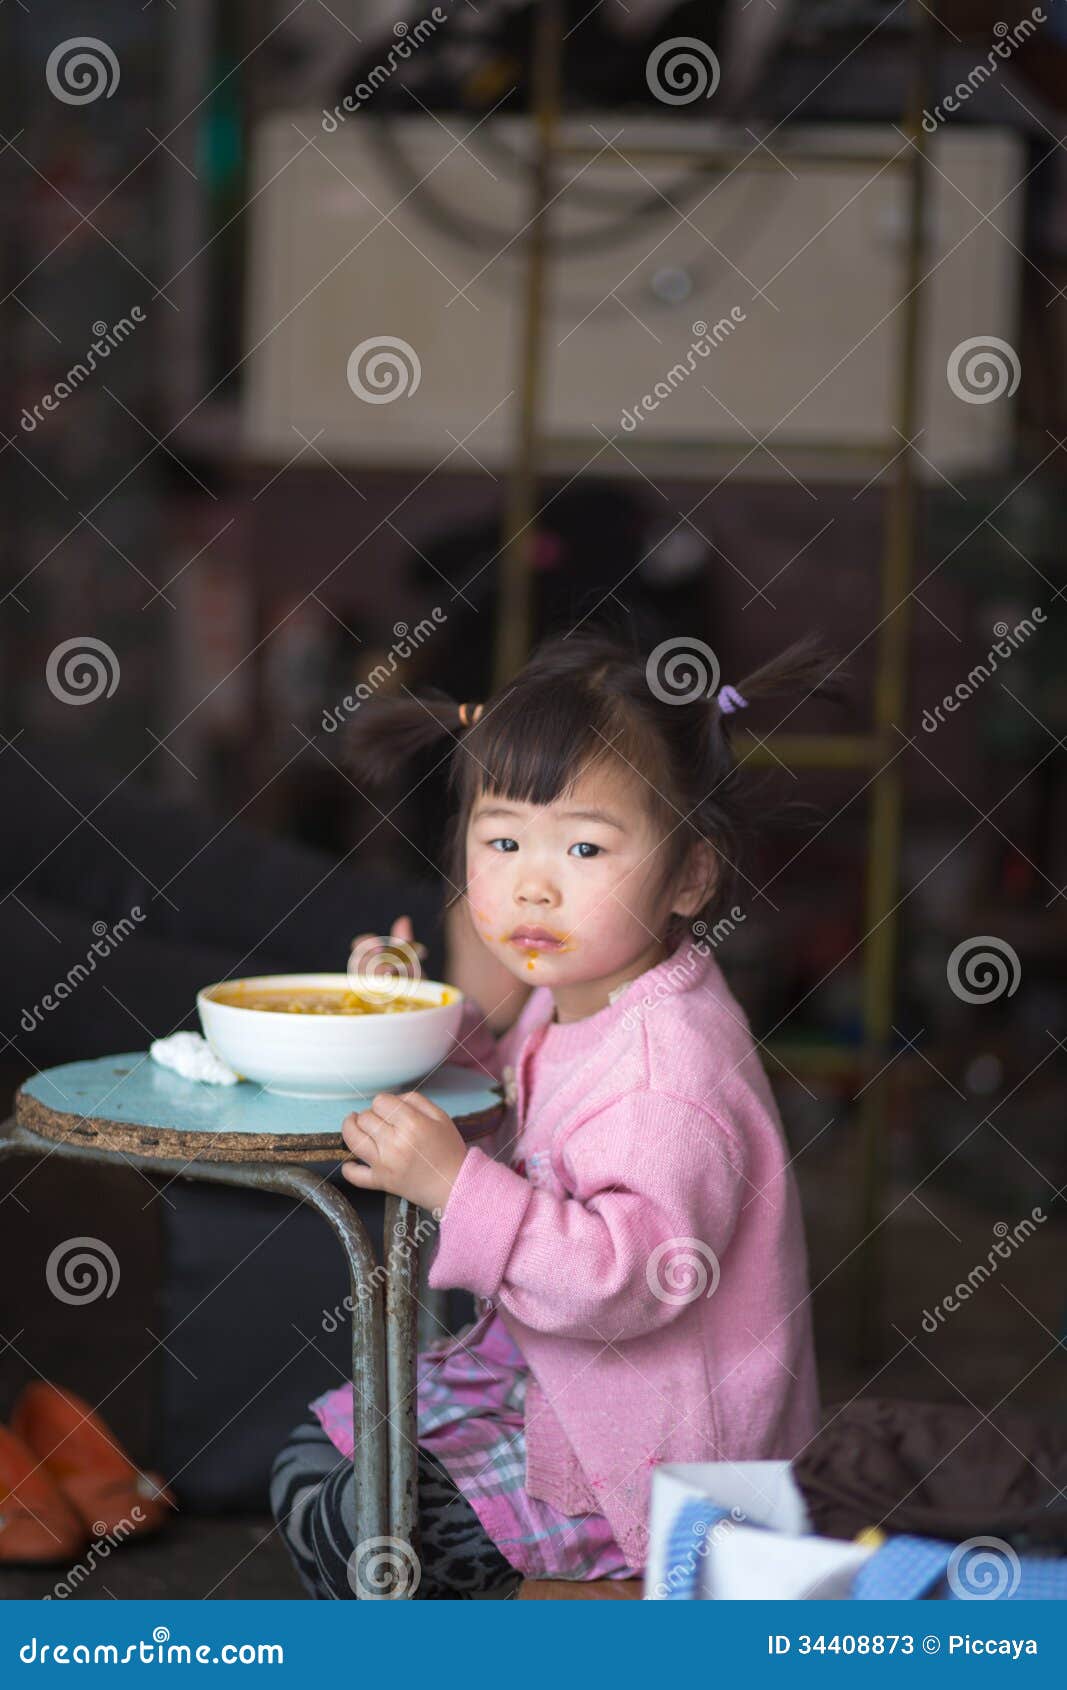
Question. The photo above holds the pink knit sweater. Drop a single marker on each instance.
(654, 1272)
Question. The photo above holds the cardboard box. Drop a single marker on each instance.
(764, 1549)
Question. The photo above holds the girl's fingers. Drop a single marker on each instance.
(407, 1111)
(390, 1109)
(421, 1104)
(359, 1136)
(405, 932)
(356, 1174)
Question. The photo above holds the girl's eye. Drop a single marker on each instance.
(585, 848)
(503, 844)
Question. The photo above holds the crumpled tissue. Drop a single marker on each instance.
(190, 1055)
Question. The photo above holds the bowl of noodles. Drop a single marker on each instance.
(330, 1035)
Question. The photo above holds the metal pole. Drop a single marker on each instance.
(885, 809)
(513, 632)
(400, 1255)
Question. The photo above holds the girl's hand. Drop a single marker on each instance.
(367, 946)
(411, 1148)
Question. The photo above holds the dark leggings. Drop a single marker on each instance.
(312, 1499)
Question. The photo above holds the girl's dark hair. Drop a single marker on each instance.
(591, 696)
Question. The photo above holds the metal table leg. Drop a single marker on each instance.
(400, 1253)
(383, 1510)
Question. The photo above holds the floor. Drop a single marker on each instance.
(236, 1558)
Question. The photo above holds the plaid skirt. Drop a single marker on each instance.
(471, 1394)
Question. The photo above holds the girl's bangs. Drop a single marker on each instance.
(530, 753)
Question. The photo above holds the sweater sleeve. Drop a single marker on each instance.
(657, 1185)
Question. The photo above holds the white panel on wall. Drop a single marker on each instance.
(808, 257)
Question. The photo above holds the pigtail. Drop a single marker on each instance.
(806, 668)
(386, 733)
(745, 803)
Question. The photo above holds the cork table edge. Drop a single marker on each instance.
(166, 1143)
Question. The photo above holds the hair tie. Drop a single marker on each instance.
(730, 699)
(469, 714)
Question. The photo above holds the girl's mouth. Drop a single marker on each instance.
(535, 939)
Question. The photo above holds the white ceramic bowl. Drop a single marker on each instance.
(330, 1055)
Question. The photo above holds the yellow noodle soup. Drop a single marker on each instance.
(319, 1002)
(330, 1035)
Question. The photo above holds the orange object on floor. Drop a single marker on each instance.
(37, 1523)
(87, 1463)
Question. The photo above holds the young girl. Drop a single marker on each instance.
(632, 1234)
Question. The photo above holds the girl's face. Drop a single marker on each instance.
(569, 892)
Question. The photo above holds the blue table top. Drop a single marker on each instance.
(133, 1089)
